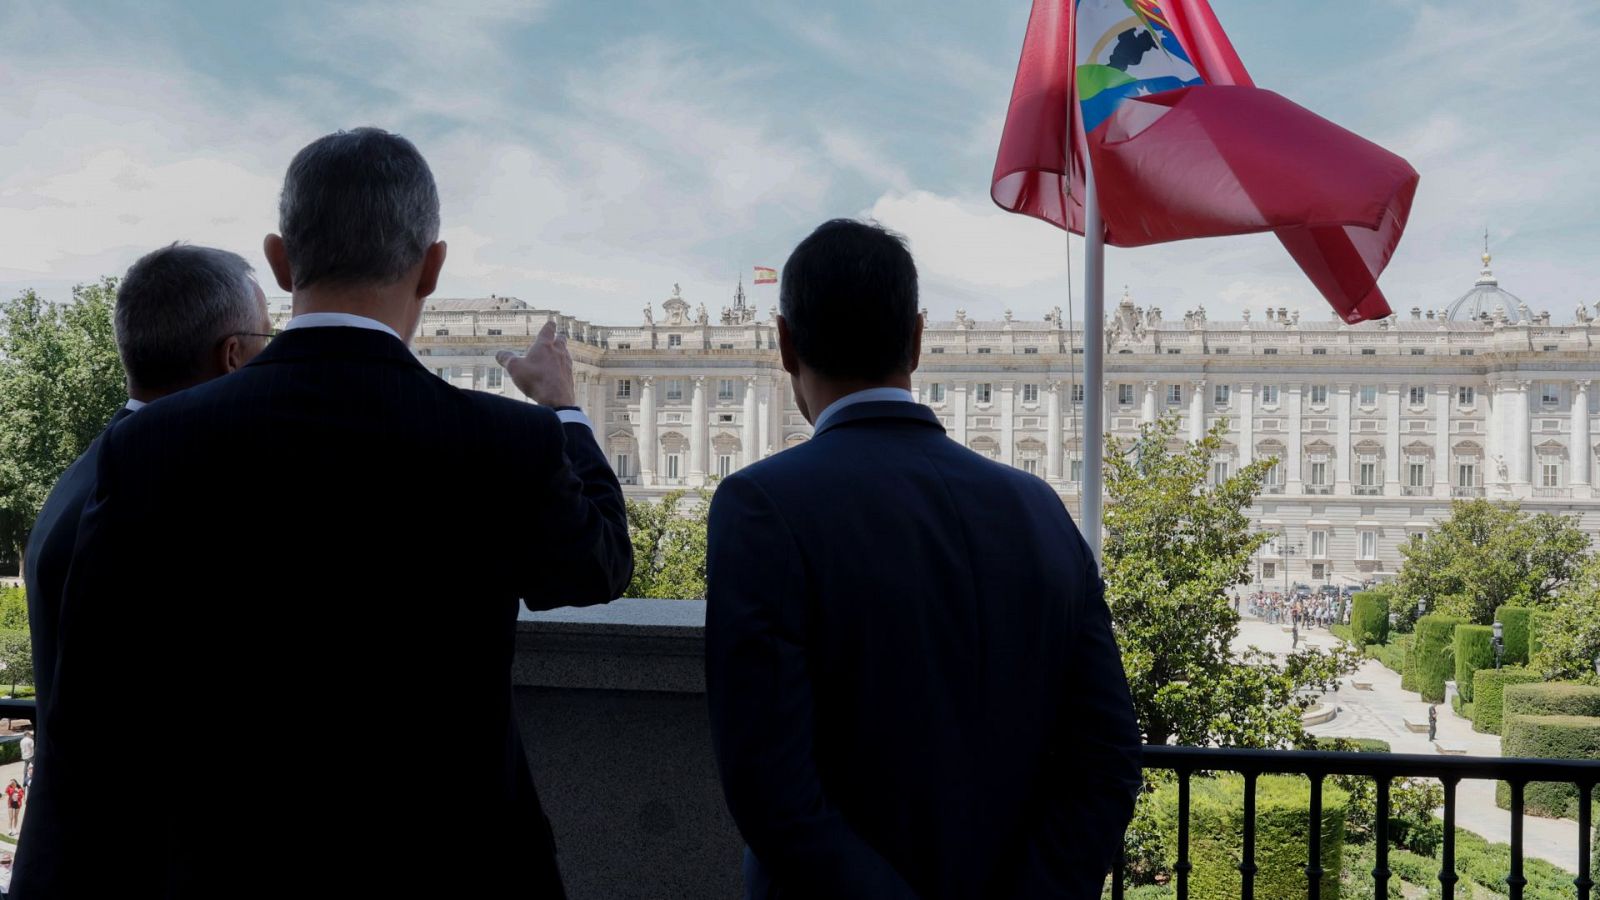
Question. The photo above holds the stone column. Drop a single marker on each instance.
(1197, 409)
(747, 425)
(1341, 450)
(697, 433)
(1580, 450)
(764, 412)
(1391, 442)
(1052, 431)
(1008, 422)
(1494, 409)
(1149, 413)
(1443, 395)
(1521, 434)
(597, 408)
(1295, 450)
(649, 446)
(1247, 424)
(958, 409)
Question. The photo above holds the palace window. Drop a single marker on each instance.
(1369, 351)
(985, 350)
(1368, 468)
(1219, 472)
(724, 465)
(1077, 393)
(494, 378)
(1319, 351)
(1029, 350)
(1269, 395)
(674, 465)
(1031, 465)
(1319, 395)
(1174, 394)
(1418, 351)
(936, 392)
(1419, 395)
(1221, 395)
(1417, 471)
(674, 389)
(1125, 394)
(674, 340)
(1466, 396)
(1030, 393)
(622, 464)
(725, 389)
(1466, 475)
(1319, 544)
(624, 388)
(1319, 473)
(985, 392)
(1369, 545)
(1549, 394)
(1465, 351)
(1550, 472)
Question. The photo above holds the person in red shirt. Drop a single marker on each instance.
(14, 794)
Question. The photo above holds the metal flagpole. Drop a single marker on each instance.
(1094, 346)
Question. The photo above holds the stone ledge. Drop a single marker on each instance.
(628, 645)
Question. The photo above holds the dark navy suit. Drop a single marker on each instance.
(293, 598)
(914, 687)
(48, 555)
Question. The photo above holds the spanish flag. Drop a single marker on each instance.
(765, 275)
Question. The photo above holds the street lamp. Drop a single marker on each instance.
(1422, 608)
(1499, 643)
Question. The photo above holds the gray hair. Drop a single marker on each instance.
(358, 207)
(175, 305)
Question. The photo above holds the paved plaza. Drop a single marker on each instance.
(1382, 713)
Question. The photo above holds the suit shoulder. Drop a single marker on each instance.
(506, 409)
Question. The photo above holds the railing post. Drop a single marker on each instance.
(1181, 870)
(1447, 865)
(1314, 863)
(1585, 828)
(1380, 865)
(1247, 865)
(1515, 881)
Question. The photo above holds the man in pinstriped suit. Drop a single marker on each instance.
(298, 576)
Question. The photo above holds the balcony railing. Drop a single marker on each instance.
(1549, 492)
(1382, 768)
(1368, 490)
(1415, 490)
(1319, 488)
(1459, 491)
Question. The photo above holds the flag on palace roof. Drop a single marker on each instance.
(1184, 145)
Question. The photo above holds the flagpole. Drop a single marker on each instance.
(1094, 345)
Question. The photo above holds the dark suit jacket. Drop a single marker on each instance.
(288, 630)
(914, 687)
(46, 559)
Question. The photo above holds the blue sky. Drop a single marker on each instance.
(592, 154)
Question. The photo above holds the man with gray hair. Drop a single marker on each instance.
(184, 315)
(353, 599)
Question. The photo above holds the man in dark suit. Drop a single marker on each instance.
(331, 541)
(184, 315)
(914, 687)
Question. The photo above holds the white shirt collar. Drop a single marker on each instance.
(133, 405)
(338, 320)
(870, 395)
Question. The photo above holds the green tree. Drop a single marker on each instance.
(1488, 554)
(669, 545)
(13, 609)
(16, 658)
(1175, 544)
(60, 382)
(1569, 634)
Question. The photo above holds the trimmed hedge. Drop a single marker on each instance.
(1433, 656)
(1369, 617)
(1216, 814)
(1408, 665)
(1516, 620)
(1488, 687)
(1552, 699)
(1391, 655)
(1548, 737)
(1474, 649)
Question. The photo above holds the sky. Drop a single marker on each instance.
(591, 154)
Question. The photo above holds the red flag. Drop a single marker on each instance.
(1185, 146)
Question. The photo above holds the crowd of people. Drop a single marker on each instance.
(1299, 609)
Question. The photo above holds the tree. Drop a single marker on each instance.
(60, 382)
(1175, 544)
(13, 609)
(1486, 555)
(669, 546)
(16, 658)
(1569, 636)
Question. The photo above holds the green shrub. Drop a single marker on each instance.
(1548, 737)
(1216, 827)
(1515, 620)
(1433, 659)
(1344, 633)
(1353, 745)
(1474, 650)
(1408, 668)
(1391, 655)
(1539, 621)
(1559, 699)
(1369, 617)
(1488, 687)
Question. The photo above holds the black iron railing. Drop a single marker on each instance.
(1382, 768)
